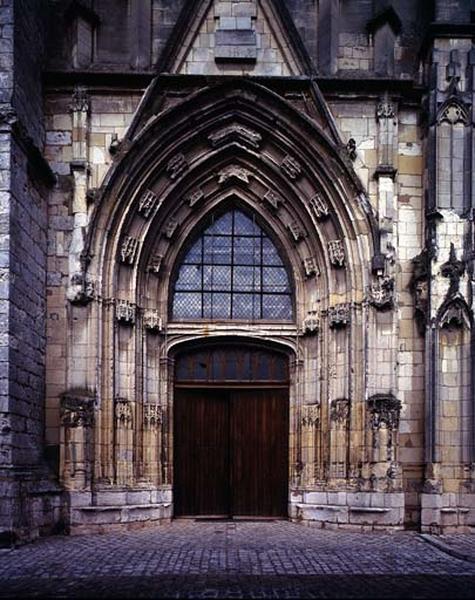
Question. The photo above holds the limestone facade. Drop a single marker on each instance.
(345, 129)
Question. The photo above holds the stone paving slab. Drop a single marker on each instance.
(278, 559)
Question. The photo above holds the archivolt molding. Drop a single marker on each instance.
(167, 160)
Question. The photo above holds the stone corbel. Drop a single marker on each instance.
(152, 320)
(125, 312)
(81, 289)
(311, 323)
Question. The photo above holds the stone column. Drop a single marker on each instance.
(77, 451)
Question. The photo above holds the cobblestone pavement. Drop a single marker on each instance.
(188, 559)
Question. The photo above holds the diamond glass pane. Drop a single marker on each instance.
(189, 278)
(247, 279)
(276, 307)
(233, 271)
(187, 305)
(275, 279)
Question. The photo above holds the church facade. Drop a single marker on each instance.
(237, 263)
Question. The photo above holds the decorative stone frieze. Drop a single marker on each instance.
(152, 320)
(384, 410)
(340, 411)
(77, 410)
(176, 166)
(81, 289)
(296, 231)
(273, 199)
(155, 264)
(171, 228)
(128, 250)
(318, 207)
(233, 172)
(290, 166)
(147, 203)
(152, 416)
(123, 411)
(194, 197)
(235, 132)
(339, 315)
(311, 415)
(336, 251)
(311, 323)
(310, 266)
(125, 312)
(381, 293)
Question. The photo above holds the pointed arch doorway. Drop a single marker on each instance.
(231, 432)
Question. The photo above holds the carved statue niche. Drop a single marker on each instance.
(383, 412)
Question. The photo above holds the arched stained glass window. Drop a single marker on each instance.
(232, 271)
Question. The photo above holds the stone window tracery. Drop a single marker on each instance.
(232, 271)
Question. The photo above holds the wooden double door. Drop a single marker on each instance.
(231, 452)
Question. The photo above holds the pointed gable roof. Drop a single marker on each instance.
(250, 37)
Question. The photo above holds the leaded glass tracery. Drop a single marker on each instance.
(232, 271)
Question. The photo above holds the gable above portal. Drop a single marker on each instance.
(240, 37)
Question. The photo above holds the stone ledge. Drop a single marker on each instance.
(368, 509)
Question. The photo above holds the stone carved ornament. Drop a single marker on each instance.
(125, 312)
(233, 172)
(147, 203)
(340, 411)
(384, 410)
(339, 315)
(77, 410)
(296, 231)
(336, 251)
(123, 411)
(419, 286)
(194, 197)
(273, 199)
(176, 166)
(311, 415)
(310, 266)
(79, 100)
(311, 323)
(152, 320)
(128, 250)
(291, 167)
(385, 110)
(152, 416)
(155, 264)
(381, 293)
(81, 289)
(235, 132)
(318, 207)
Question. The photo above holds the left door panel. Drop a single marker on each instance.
(201, 459)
